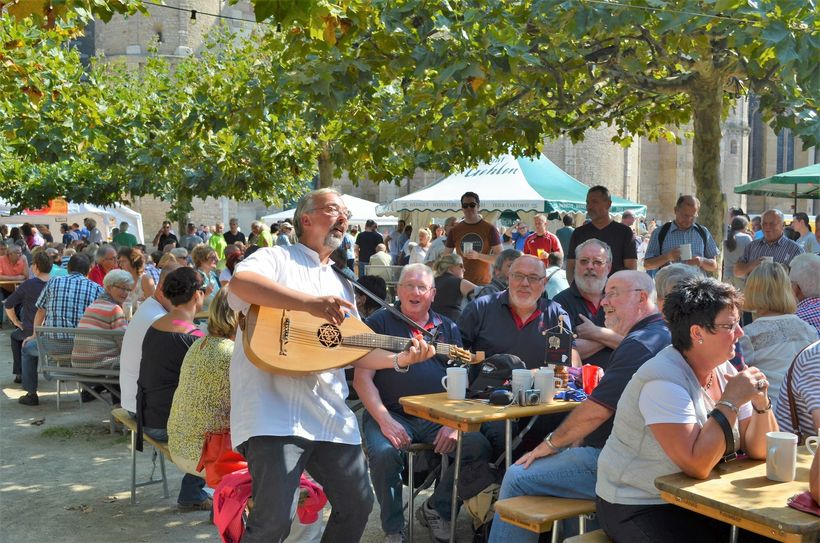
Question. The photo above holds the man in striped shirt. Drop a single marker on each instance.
(774, 244)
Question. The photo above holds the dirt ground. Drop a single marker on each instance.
(65, 478)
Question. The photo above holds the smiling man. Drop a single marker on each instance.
(557, 467)
(386, 427)
(774, 244)
(482, 237)
(285, 424)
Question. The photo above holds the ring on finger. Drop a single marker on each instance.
(762, 383)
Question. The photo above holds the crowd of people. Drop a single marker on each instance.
(694, 368)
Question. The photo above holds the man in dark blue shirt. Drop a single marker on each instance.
(386, 429)
(567, 471)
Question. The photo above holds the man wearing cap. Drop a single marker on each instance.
(480, 238)
(124, 238)
(283, 239)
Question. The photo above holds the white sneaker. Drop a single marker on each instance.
(438, 526)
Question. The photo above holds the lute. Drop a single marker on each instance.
(295, 342)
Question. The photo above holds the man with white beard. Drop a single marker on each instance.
(582, 301)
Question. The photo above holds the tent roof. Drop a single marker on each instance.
(507, 183)
(362, 211)
(799, 183)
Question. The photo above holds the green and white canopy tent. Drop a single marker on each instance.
(521, 185)
(803, 183)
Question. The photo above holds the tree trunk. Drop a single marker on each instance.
(325, 167)
(707, 106)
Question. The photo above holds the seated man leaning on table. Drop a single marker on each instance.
(387, 429)
(558, 468)
(683, 410)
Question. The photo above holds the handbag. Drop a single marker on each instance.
(218, 458)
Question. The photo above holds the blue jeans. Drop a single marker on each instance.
(29, 356)
(568, 474)
(16, 339)
(191, 490)
(386, 464)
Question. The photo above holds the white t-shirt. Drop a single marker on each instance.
(225, 275)
(267, 404)
(664, 402)
(149, 311)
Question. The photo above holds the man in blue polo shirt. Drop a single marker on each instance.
(558, 468)
(387, 429)
(514, 321)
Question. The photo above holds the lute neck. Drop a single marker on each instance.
(388, 343)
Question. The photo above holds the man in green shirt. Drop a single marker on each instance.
(124, 239)
(217, 241)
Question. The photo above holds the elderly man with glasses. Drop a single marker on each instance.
(475, 240)
(387, 429)
(557, 467)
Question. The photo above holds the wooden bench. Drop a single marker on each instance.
(160, 449)
(541, 513)
(81, 355)
(596, 536)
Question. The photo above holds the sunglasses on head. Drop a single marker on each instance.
(471, 205)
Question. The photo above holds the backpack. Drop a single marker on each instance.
(493, 374)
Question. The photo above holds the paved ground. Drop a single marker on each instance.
(64, 478)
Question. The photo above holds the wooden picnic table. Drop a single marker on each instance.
(739, 493)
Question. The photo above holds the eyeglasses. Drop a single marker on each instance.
(615, 293)
(421, 289)
(595, 263)
(730, 327)
(124, 289)
(334, 210)
(520, 277)
(471, 205)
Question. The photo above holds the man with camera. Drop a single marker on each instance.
(387, 429)
(556, 467)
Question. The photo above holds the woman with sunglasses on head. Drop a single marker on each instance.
(451, 287)
(686, 409)
(165, 345)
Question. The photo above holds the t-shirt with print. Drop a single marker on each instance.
(484, 237)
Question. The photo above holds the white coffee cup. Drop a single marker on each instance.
(812, 442)
(546, 382)
(466, 247)
(521, 380)
(686, 251)
(781, 456)
(455, 383)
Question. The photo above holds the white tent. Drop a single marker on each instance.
(108, 217)
(362, 211)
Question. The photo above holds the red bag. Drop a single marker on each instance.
(218, 458)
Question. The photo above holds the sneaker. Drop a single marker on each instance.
(438, 526)
(29, 399)
(398, 537)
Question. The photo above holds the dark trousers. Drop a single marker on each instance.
(17, 337)
(276, 464)
(665, 523)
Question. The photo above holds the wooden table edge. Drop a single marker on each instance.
(788, 533)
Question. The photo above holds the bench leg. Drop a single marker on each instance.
(556, 532)
(165, 493)
(582, 524)
(133, 467)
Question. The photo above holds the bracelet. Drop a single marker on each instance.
(396, 364)
(728, 404)
(761, 411)
(729, 454)
(548, 441)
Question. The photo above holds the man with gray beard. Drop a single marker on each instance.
(582, 301)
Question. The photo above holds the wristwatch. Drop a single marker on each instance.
(396, 364)
(548, 441)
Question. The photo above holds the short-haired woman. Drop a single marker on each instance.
(683, 410)
(776, 336)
